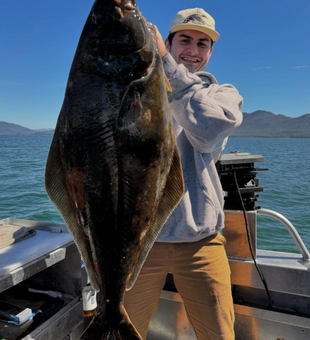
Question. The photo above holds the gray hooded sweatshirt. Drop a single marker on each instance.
(204, 115)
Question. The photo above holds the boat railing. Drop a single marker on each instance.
(291, 229)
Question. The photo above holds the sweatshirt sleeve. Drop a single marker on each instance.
(207, 111)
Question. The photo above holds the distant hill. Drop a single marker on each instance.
(267, 124)
(14, 129)
(256, 124)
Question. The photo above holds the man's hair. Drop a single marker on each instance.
(171, 35)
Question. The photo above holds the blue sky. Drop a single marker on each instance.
(263, 50)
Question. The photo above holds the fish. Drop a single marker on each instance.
(113, 169)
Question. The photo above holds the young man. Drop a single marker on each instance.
(190, 245)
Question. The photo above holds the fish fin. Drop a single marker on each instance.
(103, 329)
(56, 187)
(167, 83)
(172, 194)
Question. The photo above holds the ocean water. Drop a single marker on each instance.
(286, 184)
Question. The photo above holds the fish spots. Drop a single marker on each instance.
(70, 84)
(145, 152)
(138, 16)
(103, 66)
(94, 19)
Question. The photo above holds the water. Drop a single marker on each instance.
(286, 187)
(22, 166)
(286, 184)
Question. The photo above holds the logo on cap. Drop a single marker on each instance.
(195, 18)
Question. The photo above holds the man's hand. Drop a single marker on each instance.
(159, 39)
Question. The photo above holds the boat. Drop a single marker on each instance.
(271, 289)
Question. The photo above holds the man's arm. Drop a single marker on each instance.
(207, 111)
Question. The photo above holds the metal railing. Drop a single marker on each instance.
(291, 229)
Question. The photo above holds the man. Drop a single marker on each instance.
(190, 245)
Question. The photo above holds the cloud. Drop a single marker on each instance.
(300, 66)
(297, 67)
(261, 68)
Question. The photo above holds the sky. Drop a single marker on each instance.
(263, 50)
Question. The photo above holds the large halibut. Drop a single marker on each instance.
(113, 169)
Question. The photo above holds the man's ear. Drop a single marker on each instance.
(211, 52)
(167, 44)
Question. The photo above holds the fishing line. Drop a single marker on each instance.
(270, 304)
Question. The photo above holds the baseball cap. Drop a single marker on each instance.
(194, 19)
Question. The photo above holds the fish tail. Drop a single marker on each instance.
(101, 329)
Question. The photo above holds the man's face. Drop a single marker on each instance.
(191, 48)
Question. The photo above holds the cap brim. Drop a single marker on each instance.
(211, 33)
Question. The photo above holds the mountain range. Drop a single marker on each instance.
(267, 124)
(14, 129)
(256, 124)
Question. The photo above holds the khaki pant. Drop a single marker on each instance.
(202, 277)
